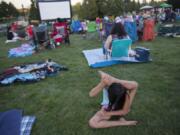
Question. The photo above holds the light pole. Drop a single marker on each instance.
(23, 11)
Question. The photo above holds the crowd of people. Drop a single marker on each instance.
(40, 34)
(103, 26)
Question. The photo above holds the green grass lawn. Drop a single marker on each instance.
(62, 105)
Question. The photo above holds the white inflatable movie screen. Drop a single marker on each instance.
(54, 10)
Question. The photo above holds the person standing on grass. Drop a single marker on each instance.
(120, 95)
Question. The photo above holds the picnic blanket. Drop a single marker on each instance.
(95, 59)
(30, 72)
(169, 30)
(22, 51)
(13, 122)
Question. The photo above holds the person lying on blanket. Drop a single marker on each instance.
(120, 94)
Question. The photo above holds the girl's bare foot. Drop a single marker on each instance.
(129, 123)
(122, 119)
(105, 78)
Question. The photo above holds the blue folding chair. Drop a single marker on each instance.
(120, 47)
(131, 29)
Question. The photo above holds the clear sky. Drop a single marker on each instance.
(26, 3)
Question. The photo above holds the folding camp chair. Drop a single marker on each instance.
(91, 29)
(148, 31)
(131, 29)
(40, 36)
(60, 29)
(3, 29)
(107, 27)
(120, 48)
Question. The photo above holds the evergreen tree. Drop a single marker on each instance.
(76, 9)
(99, 8)
(12, 10)
(8, 10)
(89, 9)
(4, 9)
(34, 13)
(174, 3)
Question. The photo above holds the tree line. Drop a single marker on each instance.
(8, 10)
(90, 9)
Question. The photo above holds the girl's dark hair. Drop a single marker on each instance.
(117, 96)
(8, 28)
(118, 29)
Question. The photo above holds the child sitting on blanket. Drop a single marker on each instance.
(117, 32)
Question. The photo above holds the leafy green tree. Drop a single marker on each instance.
(4, 9)
(8, 10)
(110, 7)
(115, 7)
(89, 9)
(76, 10)
(12, 10)
(99, 4)
(33, 13)
(174, 3)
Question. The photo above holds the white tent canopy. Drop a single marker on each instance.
(146, 7)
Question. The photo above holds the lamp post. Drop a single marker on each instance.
(23, 11)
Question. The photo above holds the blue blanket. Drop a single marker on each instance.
(22, 51)
(95, 59)
(30, 72)
(13, 123)
(10, 122)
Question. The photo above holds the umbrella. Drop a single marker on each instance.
(146, 7)
(165, 5)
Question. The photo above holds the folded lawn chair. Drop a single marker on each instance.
(76, 26)
(107, 27)
(41, 36)
(60, 32)
(131, 30)
(148, 32)
(91, 29)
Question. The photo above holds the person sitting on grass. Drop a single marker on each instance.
(10, 34)
(117, 32)
(120, 94)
